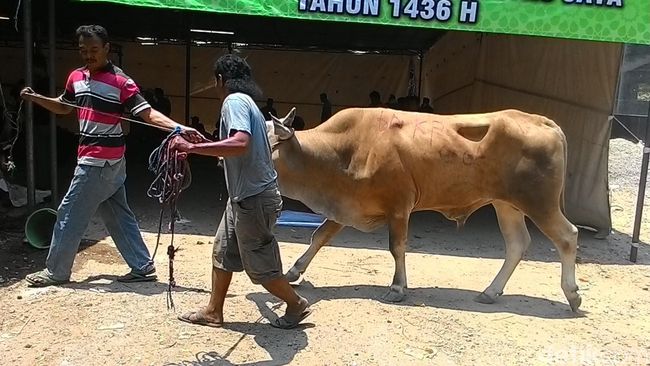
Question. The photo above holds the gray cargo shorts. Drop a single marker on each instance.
(244, 240)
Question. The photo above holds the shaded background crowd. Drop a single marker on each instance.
(141, 140)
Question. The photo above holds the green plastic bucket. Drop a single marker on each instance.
(39, 226)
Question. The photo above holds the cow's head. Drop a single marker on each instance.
(279, 129)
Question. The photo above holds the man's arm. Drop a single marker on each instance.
(234, 145)
(156, 118)
(51, 104)
(235, 112)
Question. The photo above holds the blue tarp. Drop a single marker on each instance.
(300, 219)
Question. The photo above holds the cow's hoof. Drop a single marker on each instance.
(575, 303)
(394, 295)
(293, 275)
(484, 298)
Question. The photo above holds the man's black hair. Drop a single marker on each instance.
(93, 30)
(236, 75)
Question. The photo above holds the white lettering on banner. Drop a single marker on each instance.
(318, 6)
(335, 3)
(426, 10)
(353, 7)
(468, 11)
(438, 10)
(350, 7)
(610, 3)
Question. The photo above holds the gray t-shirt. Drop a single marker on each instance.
(252, 172)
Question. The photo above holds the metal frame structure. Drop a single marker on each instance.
(188, 42)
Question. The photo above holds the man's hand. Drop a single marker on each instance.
(180, 144)
(193, 135)
(53, 105)
(27, 93)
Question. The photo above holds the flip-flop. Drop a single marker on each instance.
(43, 279)
(199, 319)
(137, 277)
(289, 321)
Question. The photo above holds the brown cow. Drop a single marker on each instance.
(367, 167)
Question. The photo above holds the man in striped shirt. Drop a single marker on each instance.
(101, 92)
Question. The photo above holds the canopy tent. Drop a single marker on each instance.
(128, 22)
(463, 71)
(601, 20)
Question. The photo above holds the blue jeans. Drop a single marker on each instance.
(95, 189)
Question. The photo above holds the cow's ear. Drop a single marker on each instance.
(276, 119)
(288, 119)
(281, 131)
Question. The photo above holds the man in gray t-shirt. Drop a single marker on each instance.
(251, 172)
(244, 240)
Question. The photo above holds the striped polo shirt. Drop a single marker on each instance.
(103, 97)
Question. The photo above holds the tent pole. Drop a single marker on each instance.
(52, 72)
(634, 249)
(29, 112)
(188, 71)
(421, 54)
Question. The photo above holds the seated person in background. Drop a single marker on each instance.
(268, 110)
(197, 125)
(426, 107)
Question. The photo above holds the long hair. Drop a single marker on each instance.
(237, 75)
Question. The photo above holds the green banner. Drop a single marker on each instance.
(625, 21)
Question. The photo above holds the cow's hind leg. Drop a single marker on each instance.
(319, 238)
(515, 234)
(398, 231)
(565, 238)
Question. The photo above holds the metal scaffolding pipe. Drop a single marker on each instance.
(634, 249)
(52, 73)
(188, 71)
(29, 110)
(421, 57)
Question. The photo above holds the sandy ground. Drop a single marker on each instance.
(97, 321)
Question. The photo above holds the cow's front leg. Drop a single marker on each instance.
(398, 232)
(319, 238)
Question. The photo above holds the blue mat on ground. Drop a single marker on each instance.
(299, 219)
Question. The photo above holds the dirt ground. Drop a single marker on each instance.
(97, 321)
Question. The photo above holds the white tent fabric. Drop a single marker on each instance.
(571, 82)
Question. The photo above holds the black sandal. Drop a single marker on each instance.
(138, 277)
